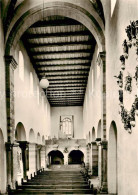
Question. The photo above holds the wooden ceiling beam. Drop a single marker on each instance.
(30, 36)
(68, 71)
(39, 53)
(63, 67)
(40, 45)
(59, 59)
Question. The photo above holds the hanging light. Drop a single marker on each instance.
(44, 83)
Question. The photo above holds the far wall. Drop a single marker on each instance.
(76, 111)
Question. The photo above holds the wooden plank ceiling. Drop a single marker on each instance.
(61, 49)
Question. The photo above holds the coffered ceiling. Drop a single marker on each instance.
(61, 49)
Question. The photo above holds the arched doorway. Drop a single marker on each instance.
(2, 164)
(112, 159)
(22, 152)
(76, 157)
(56, 157)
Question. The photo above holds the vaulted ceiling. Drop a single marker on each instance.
(61, 50)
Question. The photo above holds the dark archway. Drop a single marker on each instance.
(56, 157)
(76, 157)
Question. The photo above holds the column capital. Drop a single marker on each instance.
(10, 61)
(10, 145)
(104, 144)
(23, 144)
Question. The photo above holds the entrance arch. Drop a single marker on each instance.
(2, 164)
(76, 157)
(56, 157)
(112, 159)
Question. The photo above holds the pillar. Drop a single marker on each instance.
(24, 145)
(102, 62)
(104, 166)
(38, 157)
(94, 159)
(100, 165)
(66, 158)
(11, 65)
(32, 159)
(43, 157)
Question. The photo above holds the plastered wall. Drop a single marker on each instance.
(28, 111)
(92, 101)
(127, 144)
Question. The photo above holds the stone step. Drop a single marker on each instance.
(54, 182)
(50, 191)
(61, 186)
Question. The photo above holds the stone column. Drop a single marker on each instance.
(104, 166)
(100, 164)
(43, 156)
(102, 62)
(32, 159)
(94, 159)
(11, 65)
(23, 145)
(90, 158)
(66, 158)
(38, 157)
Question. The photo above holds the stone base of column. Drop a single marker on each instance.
(104, 188)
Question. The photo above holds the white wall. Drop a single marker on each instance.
(92, 101)
(27, 110)
(76, 111)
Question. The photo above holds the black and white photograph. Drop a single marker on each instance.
(68, 97)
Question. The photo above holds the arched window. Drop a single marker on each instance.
(67, 126)
(31, 82)
(21, 66)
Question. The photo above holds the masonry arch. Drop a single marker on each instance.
(99, 130)
(76, 157)
(93, 134)
(112, 159)
(32, 136)
(2, 164)
(20, 133)
(56, 157)
(71, 9)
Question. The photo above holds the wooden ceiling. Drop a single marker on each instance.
(61, 49)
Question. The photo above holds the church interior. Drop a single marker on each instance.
(69, 97)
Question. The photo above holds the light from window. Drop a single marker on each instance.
(67, 126)
(21, 66)
(113, 2)
(31, 82)
(92, 81)
(38, 98)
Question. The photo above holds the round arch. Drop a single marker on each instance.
(99, 130)
(75, 157)
(93, 135)
(2, 164)
(32, 136)
(112, 159)
(38, 138)
(55, 157)
(89, 19)
(20, 133)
